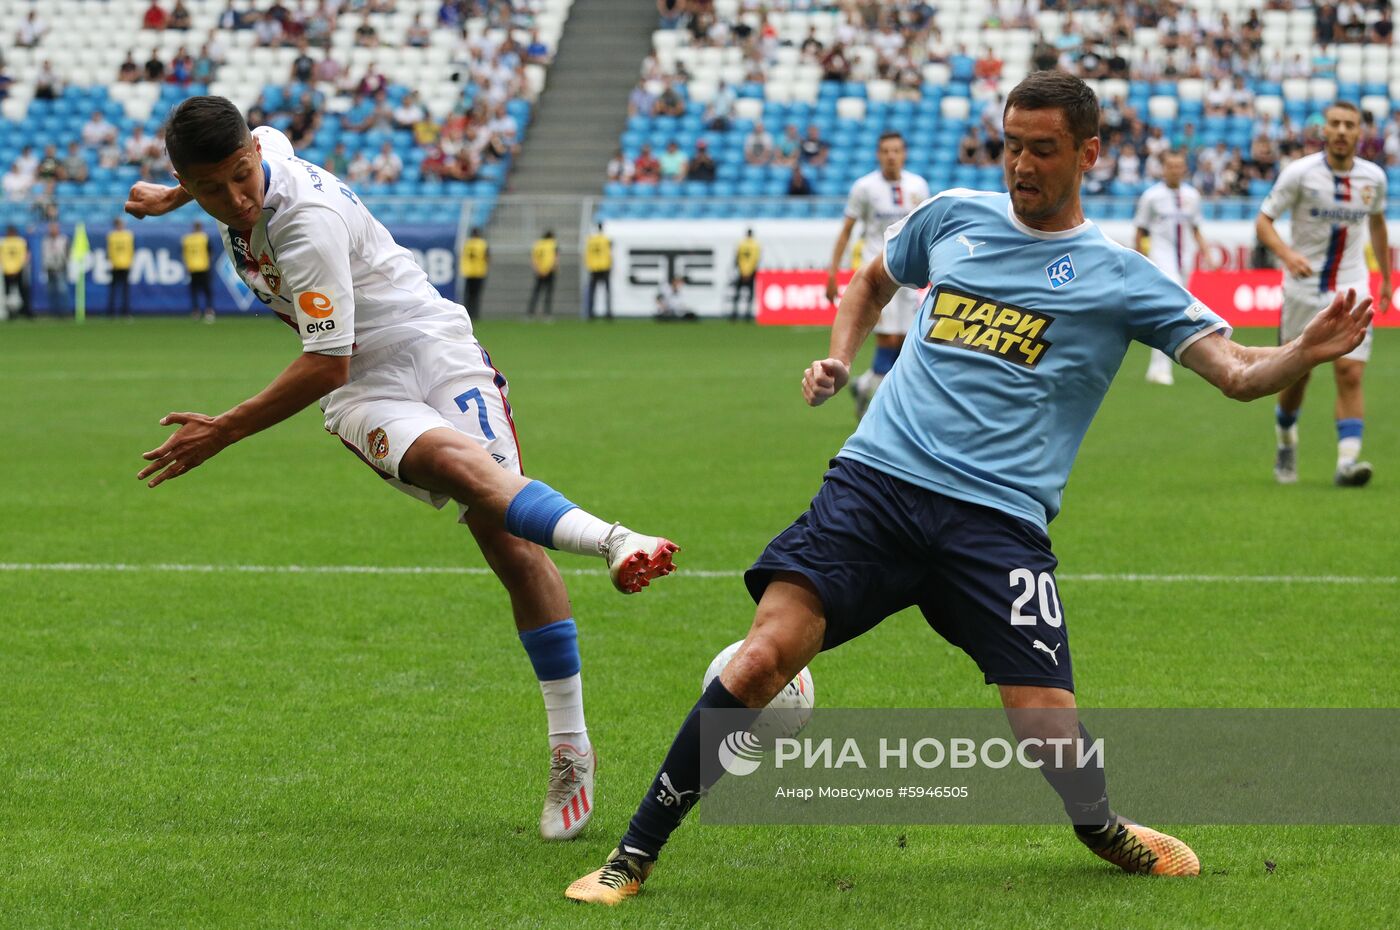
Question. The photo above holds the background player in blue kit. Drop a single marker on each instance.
(942, 496)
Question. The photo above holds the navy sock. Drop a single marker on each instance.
(677, 786)
(1283, 419)
(534, 511)
(553, 650)
(884, 360)
(1083, 790)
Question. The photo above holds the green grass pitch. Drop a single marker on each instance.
(183, 749)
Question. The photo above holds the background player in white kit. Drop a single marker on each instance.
(1168, 216)
(879, 200)
(1331, 195)
(403, 383)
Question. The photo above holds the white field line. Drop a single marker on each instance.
(199, 569)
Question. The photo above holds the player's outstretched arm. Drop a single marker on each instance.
(866, 295)
(147, 199)
(1250, 372)
(1380, 245)
(200, 437)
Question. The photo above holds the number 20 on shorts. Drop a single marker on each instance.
(1031, 586)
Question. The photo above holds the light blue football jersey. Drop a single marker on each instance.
(1012, 350)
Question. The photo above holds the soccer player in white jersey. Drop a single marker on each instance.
(878, 200)
(1168, 219)
(403, 383)
(1332, 196)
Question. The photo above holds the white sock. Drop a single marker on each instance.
(1287, 438)
(868, 382)
(563, 706)
(581, 533)
(1348, 451)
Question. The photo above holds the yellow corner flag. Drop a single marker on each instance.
(77, 255)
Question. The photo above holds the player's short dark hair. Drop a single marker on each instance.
(891, 134)
(204, 131)
(1342, 105)
(1060, 90)
(1175, 153)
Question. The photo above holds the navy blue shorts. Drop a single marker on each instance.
(872, 545)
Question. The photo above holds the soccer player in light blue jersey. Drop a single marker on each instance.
(942, 496)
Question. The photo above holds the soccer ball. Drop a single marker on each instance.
(787, 713)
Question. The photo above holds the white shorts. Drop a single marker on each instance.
(1302, 302)
(898, 315)
(398, 393)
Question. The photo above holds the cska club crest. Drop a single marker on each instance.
(1368, 193)
(270, 274)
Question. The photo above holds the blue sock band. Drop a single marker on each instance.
(553, 650)
(533, 513)
(1285, 420)
(1349, 428)
(884, 360)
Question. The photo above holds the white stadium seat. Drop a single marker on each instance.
(1322, 89)
(748, 108)
(850, 108)
(955, 107)
(1161, 107)
(1268, 106)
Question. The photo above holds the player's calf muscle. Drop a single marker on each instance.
(448, 463)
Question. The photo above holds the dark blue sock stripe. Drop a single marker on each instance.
(677, 786)
(534, 512)
(1349, 428)
(884, 360)
(553, 650)
(1285, 420)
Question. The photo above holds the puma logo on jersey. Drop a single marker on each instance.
(1037, 644)
(971, 246)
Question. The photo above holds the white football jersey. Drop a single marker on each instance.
(1170, 218)
(1329, 217)
(328, 268)
(879, 203)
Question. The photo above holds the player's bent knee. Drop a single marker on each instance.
(755, 674)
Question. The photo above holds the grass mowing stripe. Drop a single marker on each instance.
(598, 572)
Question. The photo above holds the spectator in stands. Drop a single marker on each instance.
(409, 111)
(702, 165)
(815, 149)
(758, 146)
(47, 84)
(811, 47)
(720, 109)
(418, 35)
(1325, 24)
(670, 103)
(328, 70)
(32, 31)
(619, 168)
(338, 160)
(372, 83)
(835, 65)
(544, 257)
(129, 72)
(504, 127)
(388, 166)
(181, 67)
(180, 17)
(5, 82)
(303, 66)
(1351, 18)
(969, 146)
(671, 12)
(988, 67)
(17, 184)
(358, 171)
(537, 52)
(301, 131)
(788, 148)
(50, 168)
(646, 169)
(97, 130)
(366, 36)
(673, 162)
(1129, 164)
(641, 101)
(137, 147)
(267, 32)
(155, 68)
(28, 162)
(798, 185)
(155, 17)
(1383, 29)
(1371, 146)
(230, 18)
(53, 256)
(75, 164)
(206, 67)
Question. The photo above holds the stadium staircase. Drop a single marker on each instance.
(578, 120)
